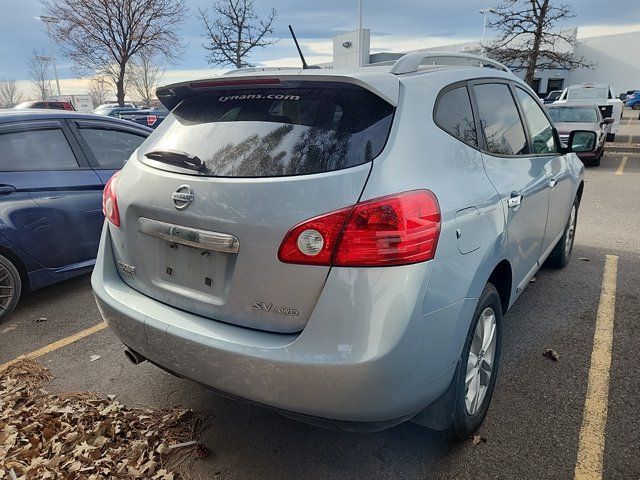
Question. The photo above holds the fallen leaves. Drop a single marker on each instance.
(477, 439)
(84, 437)
(551, 354)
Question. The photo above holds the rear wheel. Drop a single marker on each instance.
(10, 287)
(636, 106)
(561, 253)
(479, 366)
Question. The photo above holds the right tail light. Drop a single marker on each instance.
(397, 229)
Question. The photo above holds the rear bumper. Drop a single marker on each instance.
(367, 354)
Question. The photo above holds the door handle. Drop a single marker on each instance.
(553, 182)
(514, 200)
(7, 190)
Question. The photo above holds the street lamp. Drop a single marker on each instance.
(49, 20)
(485, 12)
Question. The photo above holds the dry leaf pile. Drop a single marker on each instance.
(82, 437)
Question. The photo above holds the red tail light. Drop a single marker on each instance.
(110, 202)
(394, 230)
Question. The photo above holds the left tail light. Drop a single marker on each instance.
(110, 201)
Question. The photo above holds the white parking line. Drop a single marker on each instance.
(594, 417)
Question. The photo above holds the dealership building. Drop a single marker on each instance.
(613, 58)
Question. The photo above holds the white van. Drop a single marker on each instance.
(600, 95)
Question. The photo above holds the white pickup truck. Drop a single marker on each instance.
(600, 95)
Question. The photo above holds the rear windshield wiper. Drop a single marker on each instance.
(178, 158)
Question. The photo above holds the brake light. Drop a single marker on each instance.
(234, 82)
(110, 201)
(394, 230)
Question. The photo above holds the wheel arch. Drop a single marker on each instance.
(22, 270)
(502, 278)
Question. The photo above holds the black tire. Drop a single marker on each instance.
(561, 253)
(635, 106)
(10, 287)
(611, 137)
(464, 423)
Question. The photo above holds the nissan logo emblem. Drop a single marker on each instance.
(182, 197)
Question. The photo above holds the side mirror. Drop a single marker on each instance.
(582, 141)
(608, 121)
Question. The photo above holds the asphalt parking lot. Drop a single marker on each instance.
(533, 428)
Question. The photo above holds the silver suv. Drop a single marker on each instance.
(339, 245)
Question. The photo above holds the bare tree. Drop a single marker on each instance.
(235, 31)
(102, 36)
(528, 37)
(9, 93)
(39, 64)
(143, 78)
(99, 91)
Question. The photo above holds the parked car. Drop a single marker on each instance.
(581, 117)
(600, 95)
(49, 104)
(53, 167)
(114, 111)
(115, 104)
(150, 117)
(340, 246)
(633, 100)
(552, 96)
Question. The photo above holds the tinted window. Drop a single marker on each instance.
(35, 150)
(111, 148)
(540, 128)
(266, 132)
(454, 115)
(574, 114)
(500, 121)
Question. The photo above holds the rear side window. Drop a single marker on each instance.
(35, 150)
(501, 124)
(454, 115)
(111, 148)
(270, 132)
(540, 128)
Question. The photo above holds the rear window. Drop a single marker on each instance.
(573, 115)
(270, 132)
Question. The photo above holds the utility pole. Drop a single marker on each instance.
(49, 21)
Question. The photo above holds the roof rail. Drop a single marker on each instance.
(411, 62)
(259, 69)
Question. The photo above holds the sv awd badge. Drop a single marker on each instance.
(268, 307)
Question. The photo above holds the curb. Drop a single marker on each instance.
(622, 149)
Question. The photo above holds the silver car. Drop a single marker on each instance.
(340, 246)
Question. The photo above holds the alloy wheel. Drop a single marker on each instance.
(571, 231)
(480, 364)
(7, 288)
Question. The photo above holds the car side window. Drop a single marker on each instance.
(111, 148)
(454, 115)
(540, 128)
(501, 124)
(36, 150)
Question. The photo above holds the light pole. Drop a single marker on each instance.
(485, 12)
(360, 63)
(49, 21)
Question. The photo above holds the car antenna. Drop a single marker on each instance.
(295, 40)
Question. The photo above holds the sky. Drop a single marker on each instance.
(397, 25)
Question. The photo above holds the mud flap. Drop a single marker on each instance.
(439, 414)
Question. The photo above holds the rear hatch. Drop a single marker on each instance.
(207, 200)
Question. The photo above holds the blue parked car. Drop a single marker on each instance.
(633, 100)
(53, 168)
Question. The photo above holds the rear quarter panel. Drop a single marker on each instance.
(424, 156)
